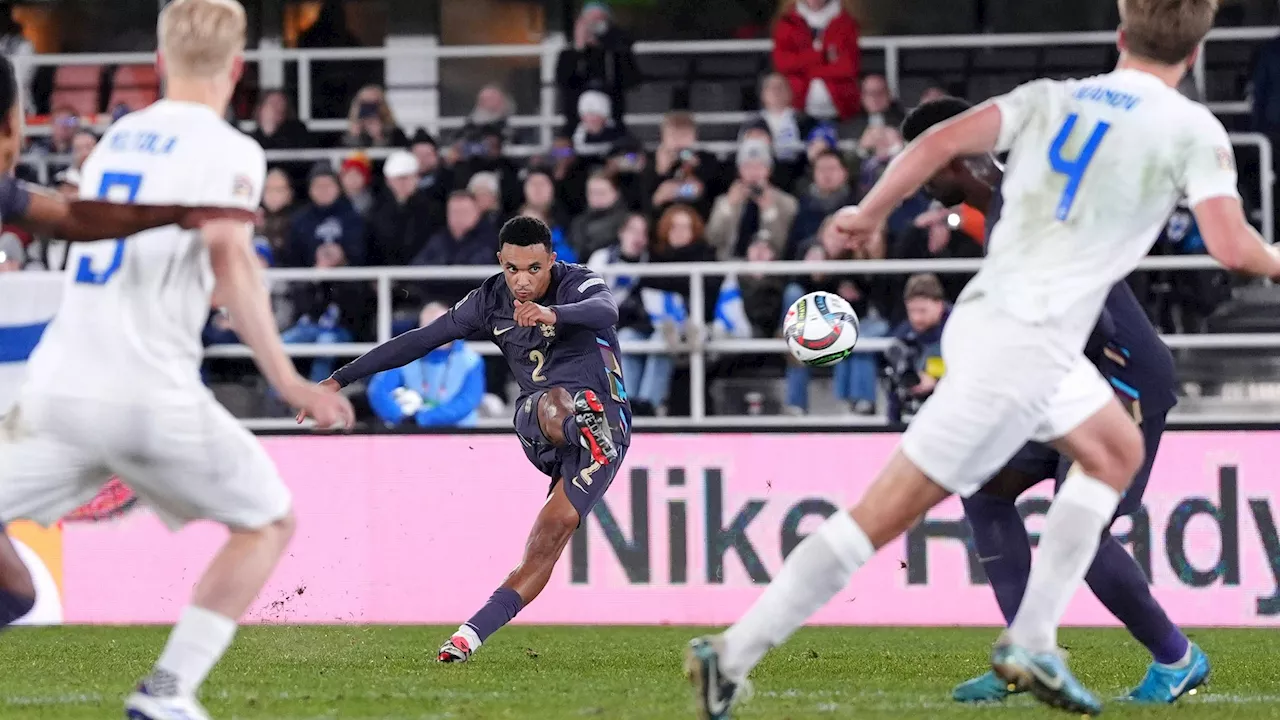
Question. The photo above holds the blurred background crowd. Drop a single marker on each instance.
(821, 127)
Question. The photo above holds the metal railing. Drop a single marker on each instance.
(430, 53)
(698, 343)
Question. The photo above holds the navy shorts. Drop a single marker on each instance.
(1043, 462)
(585, 479)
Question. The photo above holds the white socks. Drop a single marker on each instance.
(471, 636)
(196, 644)
(816, 570)
(1072, 530)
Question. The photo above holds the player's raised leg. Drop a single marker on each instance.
(571, 438)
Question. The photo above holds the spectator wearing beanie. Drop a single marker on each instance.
(596, 131)
(356, 176)
(328, 218)
(784, 175)
(753, 210)
(390, 242)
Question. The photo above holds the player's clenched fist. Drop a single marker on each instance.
(322, 403)
(853, 228)
(529, 314)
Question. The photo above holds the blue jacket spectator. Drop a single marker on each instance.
(443, 389)
(330, 218)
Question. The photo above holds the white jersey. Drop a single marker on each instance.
(130, 322)
(1095, 168)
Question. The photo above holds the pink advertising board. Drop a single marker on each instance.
(420, 529)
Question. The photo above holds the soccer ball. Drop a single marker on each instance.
(821, 329)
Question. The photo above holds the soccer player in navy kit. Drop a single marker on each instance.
(1129, 353)
(554, 323)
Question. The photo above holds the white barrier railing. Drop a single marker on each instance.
(546, 52)
(698, 343)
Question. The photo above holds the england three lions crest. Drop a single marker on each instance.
(548, 331)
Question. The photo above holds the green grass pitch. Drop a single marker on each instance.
(561, 673)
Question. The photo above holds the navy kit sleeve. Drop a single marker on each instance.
(464, 320)
(584, 300)
(14, 198)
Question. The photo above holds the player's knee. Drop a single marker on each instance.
(559, 526)
(554, 408)
(284, 528)
(1114, 457)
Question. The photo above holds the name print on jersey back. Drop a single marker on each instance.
(134, 309)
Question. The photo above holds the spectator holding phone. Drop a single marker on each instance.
(600, 59)
(370, 122)
(679, 172)
(752, 210)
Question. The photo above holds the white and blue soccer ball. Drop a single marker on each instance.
(821, 329)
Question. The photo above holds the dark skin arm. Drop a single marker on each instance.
(88, 220)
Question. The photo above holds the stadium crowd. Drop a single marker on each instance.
(819, 140)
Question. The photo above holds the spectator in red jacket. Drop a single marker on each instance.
(815, 45)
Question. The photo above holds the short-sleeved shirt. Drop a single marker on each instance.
(1095, 167)
(131, 317)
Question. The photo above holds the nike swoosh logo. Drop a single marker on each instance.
(1182, 686)
(1053, 682)
(503, 331)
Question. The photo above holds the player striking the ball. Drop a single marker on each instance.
(1128, 351)
(554, 323)
(114, 385)
(1095, 168)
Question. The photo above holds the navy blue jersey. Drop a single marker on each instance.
(1126, 348)
(14, 198)
(579, 352)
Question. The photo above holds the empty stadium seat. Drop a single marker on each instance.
(77, 87)
(135, 86)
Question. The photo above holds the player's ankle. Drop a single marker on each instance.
(196, 644)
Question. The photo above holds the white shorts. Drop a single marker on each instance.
(188, 460)
(1007, 381)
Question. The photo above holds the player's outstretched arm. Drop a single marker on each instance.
(402, 349)
(87, 220)
(974, 132)
(1232, 241)
(242, 290)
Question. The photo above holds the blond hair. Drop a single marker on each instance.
(1166, 31)
(200, 38)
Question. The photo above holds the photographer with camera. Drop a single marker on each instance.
(599, 59)
(913, 363)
